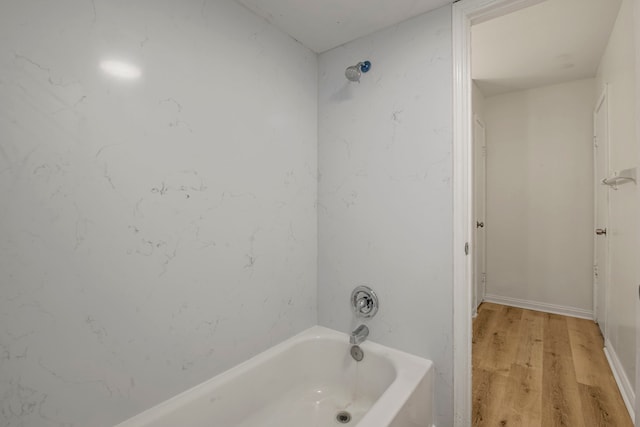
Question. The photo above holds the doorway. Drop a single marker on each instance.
(465, 14)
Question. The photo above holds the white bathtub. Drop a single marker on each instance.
(306, 381)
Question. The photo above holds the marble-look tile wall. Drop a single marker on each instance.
(155, 228)
(385, 197)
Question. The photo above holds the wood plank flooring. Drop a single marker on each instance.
(534, 369)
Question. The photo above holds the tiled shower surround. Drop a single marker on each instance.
(157, 230)
(385, 201)
(159, 198)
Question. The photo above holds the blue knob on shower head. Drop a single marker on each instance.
(365, 66)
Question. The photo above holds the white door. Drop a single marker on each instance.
(479, 196)
(636, 25)
(601, 195)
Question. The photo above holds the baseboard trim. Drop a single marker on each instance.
(540, 306)
(627, 392)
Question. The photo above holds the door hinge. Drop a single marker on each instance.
(466, 248)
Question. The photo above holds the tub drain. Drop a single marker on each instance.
(343, 417)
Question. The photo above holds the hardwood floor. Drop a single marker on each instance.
(534, 369)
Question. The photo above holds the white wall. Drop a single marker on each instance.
(152, 232)
(540, 194)
(618, 70)
(385, 201)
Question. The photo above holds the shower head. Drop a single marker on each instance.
(354, 72)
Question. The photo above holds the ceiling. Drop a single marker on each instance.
(552, 42)
(324, 24)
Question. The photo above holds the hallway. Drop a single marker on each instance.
(539, 369)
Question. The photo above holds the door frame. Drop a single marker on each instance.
(464, 14)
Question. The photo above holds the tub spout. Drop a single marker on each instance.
(359, 335)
